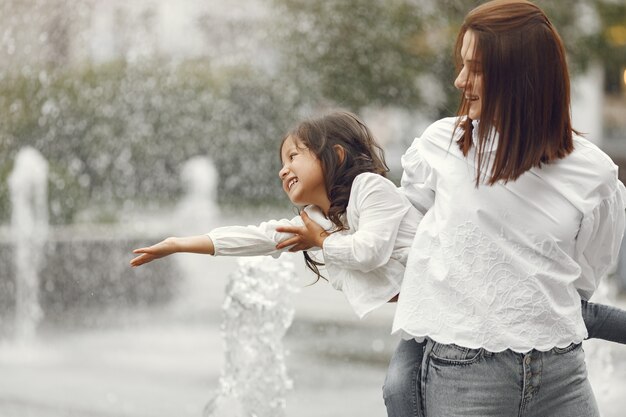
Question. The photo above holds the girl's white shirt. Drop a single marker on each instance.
(365, 262)
(505, 266)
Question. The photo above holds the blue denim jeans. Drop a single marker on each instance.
(604, 322)
(403, 376)
(457, 381)
(400, 391)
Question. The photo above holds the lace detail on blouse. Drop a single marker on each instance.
(505, 266)
(486, 291)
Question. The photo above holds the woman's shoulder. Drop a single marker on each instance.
(438, 136)
(587, 153)
(445, 124)
(591, 167)
(441, 130)
(437, 139)
(587, 174)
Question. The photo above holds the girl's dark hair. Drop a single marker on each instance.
(361, 153)
(526, 90)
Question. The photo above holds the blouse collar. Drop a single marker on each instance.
(491, 146)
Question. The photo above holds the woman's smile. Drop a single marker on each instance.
(470, 79)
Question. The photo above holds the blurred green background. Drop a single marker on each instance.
(116, 128)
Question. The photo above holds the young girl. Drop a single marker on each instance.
(363, 224)
(333, 167)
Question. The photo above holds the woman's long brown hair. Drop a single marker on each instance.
(526, 90)
(361, 153)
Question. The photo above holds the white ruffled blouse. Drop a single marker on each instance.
(504, 266)
(365, 262)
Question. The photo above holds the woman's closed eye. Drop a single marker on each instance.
(471, 70)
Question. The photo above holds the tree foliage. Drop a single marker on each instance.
(115, 135)
(353, 52)
(398, 52)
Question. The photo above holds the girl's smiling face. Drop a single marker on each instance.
(302, 175)
(470, 79)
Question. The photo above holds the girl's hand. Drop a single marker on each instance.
(305, 237)
(160, 250)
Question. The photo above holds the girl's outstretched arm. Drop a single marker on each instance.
(192, 244)
(229, 241)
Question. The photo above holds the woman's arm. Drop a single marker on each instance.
(604, 322)
(599, 240)
(417, 177)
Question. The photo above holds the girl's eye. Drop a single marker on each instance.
(291, 155)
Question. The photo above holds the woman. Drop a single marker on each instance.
(523, 217)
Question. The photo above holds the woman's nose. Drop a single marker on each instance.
(461, 80)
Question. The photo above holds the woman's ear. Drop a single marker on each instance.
(341, 153)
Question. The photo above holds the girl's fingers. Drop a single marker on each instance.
(299, 247)
(283, 245)
(288, 229)
(140, 260)
(288, 242)
(152, 250)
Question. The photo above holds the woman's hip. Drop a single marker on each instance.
(459, 381)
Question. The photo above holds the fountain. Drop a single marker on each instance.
(257, 312)
(198, 208)
(197, 212)
(28, 184)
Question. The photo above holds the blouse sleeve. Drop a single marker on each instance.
(261, 239)
(417, 176)
(599, 240)
(380, 208)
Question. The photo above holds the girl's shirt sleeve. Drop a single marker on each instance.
(417, 177)
(599, 240)
(380, 209)
(262, 239)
